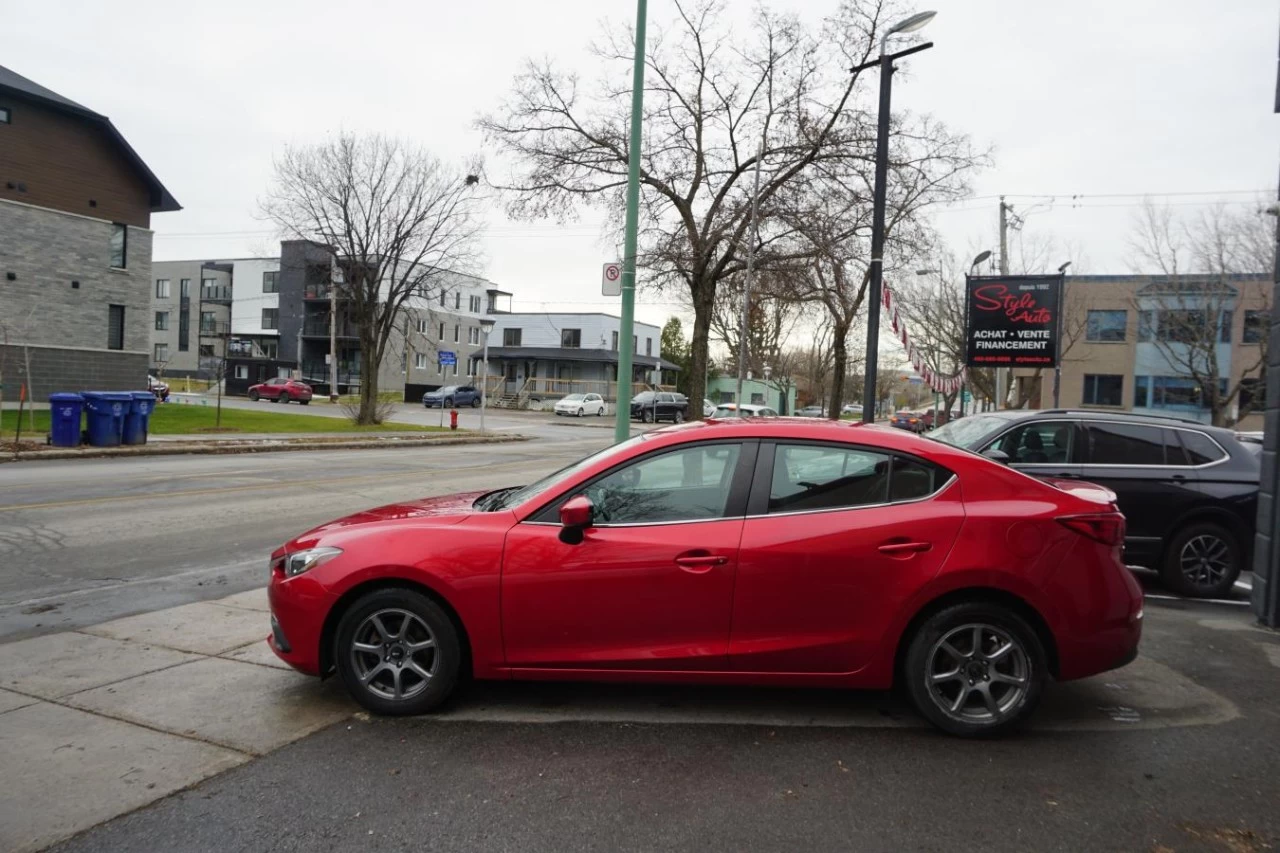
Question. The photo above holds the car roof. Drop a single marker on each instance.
(1096, 415)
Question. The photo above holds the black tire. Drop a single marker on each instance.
(678, 417)
(253, 396)
(445, 658)
(978, 676)
(282, 397)
(475, 402)
(448, 402)
(1214, 575)
(647, 416)
(303, 402)
(600, 412)
(581, 412)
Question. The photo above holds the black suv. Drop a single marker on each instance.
(650, 406)
(1189, 492)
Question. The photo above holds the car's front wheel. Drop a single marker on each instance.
(975, 669)
(397, 652)
(475, 402)
(580, 412)
(647, 416)
(1203, 560)
(678, 417)
(253, 395)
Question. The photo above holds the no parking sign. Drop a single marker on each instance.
(611, 279)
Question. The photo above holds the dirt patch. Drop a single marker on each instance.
(26, 447)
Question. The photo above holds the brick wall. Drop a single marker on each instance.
(67, 369)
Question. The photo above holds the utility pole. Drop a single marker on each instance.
(751, 275)
(333, 333)
(1004, 270)
(622, 418)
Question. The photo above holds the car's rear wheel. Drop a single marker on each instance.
(1203, 560)
(600, 411)
(678, 417)
(397, 652)
(975, 669)
(253, 396)
(581, 412)
(448, 401)
(646, 415)
(475, 402)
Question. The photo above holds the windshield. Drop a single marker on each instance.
(524, 493)
(448, 389)
(573, 398)
(967, 432)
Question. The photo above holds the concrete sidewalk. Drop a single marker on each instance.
(98, 722)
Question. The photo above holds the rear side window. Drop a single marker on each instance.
(1201, 449)
(815, 477)
(1125, 444)
(1040, 443)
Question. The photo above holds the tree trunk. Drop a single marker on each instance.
(703, 302)
(840, 364)
(368, 385)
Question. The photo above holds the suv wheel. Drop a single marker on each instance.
(1203, 561)
(647, 416)
(678, 417)
(397, 652)
(975, 669)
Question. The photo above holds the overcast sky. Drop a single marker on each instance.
(1092, 102)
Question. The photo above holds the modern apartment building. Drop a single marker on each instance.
(75, 246)
(1128, 340)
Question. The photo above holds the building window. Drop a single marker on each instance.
(1255, 326)
(635, 342)
(420, 360)
(474, 335)
(1103, 389)
(5, 116)
(615, 341)
(208, 325)
(648, 346)
(1176, 325)
(270, 318)
(184, 330)
(1106, 326)
(455, 333)
(457, 302)
(206, 351)
(242, 371)
(1226, 319)
(571, 338)
(184, 288)
(119, 245)
(475, 305)
(162, 288)
(1141, 392)
(269, 349)
(269, 284)
(442, 331)
(511, 337)
(443, 294)
(422, 326)
(162, 353)
(162, 321)
(115, 327)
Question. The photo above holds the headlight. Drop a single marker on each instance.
(300, 561)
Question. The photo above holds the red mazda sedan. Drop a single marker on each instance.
(743, 551)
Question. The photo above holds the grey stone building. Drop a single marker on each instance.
(191, 317)
(75, 247)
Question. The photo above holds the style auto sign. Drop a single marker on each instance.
(1014, 321)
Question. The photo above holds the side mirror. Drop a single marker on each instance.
(996, 456)
(575, 517)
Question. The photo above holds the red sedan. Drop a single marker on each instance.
(281, 390)
(743, 551)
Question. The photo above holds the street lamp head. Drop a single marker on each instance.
(909, 25)
(768, 371)
(982, 256)
(1063, 268)
(486, 326)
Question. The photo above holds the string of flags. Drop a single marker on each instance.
(942, 384)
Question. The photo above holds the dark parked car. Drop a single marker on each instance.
(452, 395)
(1189, 491)
(914, 421)
(650, 406)
(281, 391)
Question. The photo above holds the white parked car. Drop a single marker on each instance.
(749, 410)
(581, 404)
(708, 408)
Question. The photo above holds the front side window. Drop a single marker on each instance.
(1103, 389)
(162, 321)
(1106, 326)
(1125, 444)
(119, 245)
(1039, 443)
(683, 485)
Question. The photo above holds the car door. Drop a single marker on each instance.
(1044, 448)
(272, 389)
(1131, 459)
(650, 586)
(836, 539)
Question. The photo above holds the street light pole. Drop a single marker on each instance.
(486, 326)
(622, 420)
(750, 280)
(885, 62)
(1057, 355)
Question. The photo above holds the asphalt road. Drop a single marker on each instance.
(88, 541)
(432, 783)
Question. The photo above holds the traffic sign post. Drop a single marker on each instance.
(611, 279)
(447, 359)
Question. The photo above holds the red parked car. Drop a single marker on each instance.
(281, 391)
(744, 551)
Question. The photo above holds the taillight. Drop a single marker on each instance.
(1104, 527)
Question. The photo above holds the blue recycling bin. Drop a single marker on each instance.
(64, 419)
(105, 412)
(138, 419)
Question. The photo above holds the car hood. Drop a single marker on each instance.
(445, 509)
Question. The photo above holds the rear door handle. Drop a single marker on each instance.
(700, 563)
(895, 548)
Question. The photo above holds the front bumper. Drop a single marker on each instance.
(299, 607)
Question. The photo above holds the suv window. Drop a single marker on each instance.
(812, 477)
(1040, 443)
(1125, 444)
(1200, 448)
(683, 485)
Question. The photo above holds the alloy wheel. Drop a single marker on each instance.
(394, 654)
(978, 673)
(1205, 560)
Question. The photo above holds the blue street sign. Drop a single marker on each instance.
(448, 359)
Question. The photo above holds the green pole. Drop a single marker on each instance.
(622, 425)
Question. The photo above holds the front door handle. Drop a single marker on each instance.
(894, 549)
(698, 563)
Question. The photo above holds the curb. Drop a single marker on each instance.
(266, 446)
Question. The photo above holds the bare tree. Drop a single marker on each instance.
(1213, 265)
(394, 220)
(713, 104)
(773, 313)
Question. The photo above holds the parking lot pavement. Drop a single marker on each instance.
(1178, 749)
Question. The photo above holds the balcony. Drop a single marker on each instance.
(318, 291)
(216, 294)
(318, 372)
(216, 329)
(318, 327)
